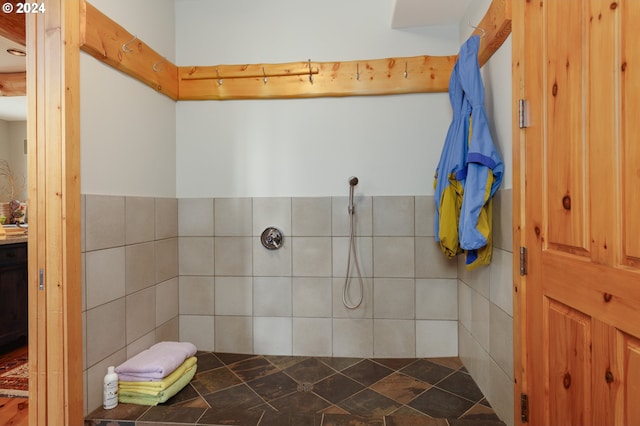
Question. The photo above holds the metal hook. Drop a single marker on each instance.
(310, 73)
(125, 47)
(155, 66)
(219, 79)
(477, 28)
(357, 71)
(405, 70)
(264, 79)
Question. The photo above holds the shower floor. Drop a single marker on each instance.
(236, 389)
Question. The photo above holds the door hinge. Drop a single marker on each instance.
(41, 279)
(524, 408)
(523, 261)
(523, 114)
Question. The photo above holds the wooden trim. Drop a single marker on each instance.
(518, 138)
(13, 84)
(55, 322)
(110, 43)
(13, 25)
(104, 39)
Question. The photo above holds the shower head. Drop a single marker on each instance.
(353, 181)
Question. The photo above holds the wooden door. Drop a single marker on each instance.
(577, 64)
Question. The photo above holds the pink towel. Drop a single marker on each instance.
(157, 362)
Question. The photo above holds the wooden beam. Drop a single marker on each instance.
(12, 25)
(110, 43)
(13, 84)
(107, 41)
(353, 78)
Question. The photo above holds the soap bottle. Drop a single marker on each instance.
(110, 395)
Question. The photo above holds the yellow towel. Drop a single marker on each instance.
(163, 384)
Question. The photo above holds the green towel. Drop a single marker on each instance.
(162, 396)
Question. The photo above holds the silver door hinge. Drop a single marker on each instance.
(523, 114)
(524, 408)
(523, 261)
(41, 279)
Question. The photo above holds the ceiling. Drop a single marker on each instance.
(406, 13)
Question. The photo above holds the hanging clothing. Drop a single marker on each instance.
(470, 169)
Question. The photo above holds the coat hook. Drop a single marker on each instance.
(310, 73)
(405, 70)
(482, 32)
(357, 71)
(155, 66)
(125, 46)
(264, 79)
(219, 79)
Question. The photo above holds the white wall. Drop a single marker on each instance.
(305, 147)
(127, 129)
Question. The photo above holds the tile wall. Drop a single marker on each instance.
(130, 281)
(237, 296)
(485, 303)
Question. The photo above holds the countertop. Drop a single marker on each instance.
(13, 239)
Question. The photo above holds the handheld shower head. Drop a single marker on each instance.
(353, 181)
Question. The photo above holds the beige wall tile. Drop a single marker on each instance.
(140, 266)
(166, 218)
(169, 331)
(105, 278)
(353, 337)
(234, 334)
(431, 262)
(363, 255)
(503, 220)
(394, 338)
(501, 339)
(106, 330)
(311, 297)
(354, 293)
(363, 219)
(393, 257)
(501, 273)
(393, 216)
(195, 217)
(95, 378)
(272, 335)
(139, 345)
(167, 304)
(394, 298)
(196, 256)
(425, 213)
(272, 297)
(311, 217)
(141, 313)
(234, 256)
(234, 295)
(199, 330)
(436, 338)
(233, 217)
(138, 227)
(437, 298)
(480, 319)
(311, 256)
(312, 337)
(105, 222)
(272, 263)
(166, 259)
(272, 212)
(196, 295)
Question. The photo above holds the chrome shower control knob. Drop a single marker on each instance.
(272, 238)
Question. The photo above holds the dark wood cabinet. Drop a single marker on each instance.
(13, 292)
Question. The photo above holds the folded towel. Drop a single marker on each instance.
(155, 386)
(158, 361)
(160, 397)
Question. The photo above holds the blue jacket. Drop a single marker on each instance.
(469, 161)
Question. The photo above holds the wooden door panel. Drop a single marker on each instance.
(630, 106)
(565, 160)
(629, 414)
(569, 365)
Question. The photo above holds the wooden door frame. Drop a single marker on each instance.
(55, 318)
(518, 210)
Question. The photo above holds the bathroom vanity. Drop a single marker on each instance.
(13, 289)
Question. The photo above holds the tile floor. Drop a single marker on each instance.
(235, 389)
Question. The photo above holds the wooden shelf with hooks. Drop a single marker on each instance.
(110, 43)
